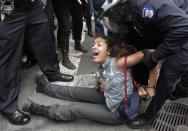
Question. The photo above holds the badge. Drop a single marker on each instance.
(148, 11)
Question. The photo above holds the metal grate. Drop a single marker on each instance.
(170, 116)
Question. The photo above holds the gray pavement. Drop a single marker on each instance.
(83, 76)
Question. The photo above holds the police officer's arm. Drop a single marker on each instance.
(175, 21)
(153, 75)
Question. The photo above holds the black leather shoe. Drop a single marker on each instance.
(17, 117)
(62, 77)
(139, 122)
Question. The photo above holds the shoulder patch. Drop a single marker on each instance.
(148, 11)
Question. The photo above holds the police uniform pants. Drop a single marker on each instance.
(173, 69)
(87, 103)
(50, 15)
(87, 9)
(64, 11)
(31, 23)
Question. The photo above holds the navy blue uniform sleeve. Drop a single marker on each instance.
(174, 21)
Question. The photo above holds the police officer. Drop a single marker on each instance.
(64, 11)
(19, 19)
(161, 24)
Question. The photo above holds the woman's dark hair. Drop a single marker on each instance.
(108, 41)
(117, 50)
(120, 50)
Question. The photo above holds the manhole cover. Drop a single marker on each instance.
(170, 116)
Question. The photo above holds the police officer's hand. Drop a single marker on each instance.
(148, 61)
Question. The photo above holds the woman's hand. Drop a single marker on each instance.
(150, 91)
(147, 93)
(142, 92)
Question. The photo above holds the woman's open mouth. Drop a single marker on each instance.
(95, 53)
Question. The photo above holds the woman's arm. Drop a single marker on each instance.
(131, 59)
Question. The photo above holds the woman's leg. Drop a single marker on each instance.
(83, 94)
(95, 112)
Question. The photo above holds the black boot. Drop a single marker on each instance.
(65, 60)
(79, 47)
(36, 109)
(140, 122)
(41, 82)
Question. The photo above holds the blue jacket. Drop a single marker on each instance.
(115, 84)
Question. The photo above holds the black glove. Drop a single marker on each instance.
(148, 61)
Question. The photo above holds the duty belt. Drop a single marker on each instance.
(6, 7)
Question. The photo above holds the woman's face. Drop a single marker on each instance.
(99, 50)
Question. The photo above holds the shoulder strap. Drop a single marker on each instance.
(125, 76)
